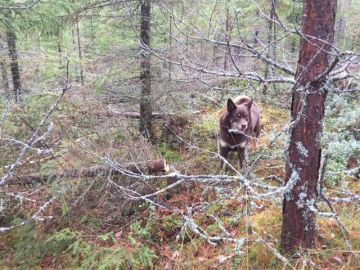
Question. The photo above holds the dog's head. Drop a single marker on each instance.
(239, 116)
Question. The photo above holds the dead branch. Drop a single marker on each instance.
(149, 167)
(136, 115)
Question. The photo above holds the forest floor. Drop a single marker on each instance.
(94, 227)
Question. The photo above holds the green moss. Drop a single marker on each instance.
(206, 127)
(168, 153)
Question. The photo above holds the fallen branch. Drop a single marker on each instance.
(136, 115)
(149, 167)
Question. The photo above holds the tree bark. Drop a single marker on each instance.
(227, 35)
(146, 128)
(4, 78)
(92, 31)
(14, 65)
(4, 74)
(60, 52)
(344, 7)
(77, 78)
(80, 53)
(308, 106)
(170, 39)
(271, 47)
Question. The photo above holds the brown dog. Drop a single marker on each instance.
(238, 123)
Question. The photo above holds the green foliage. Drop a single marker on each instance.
(21, 122)
(108, 258)
(172, 223)
(166, 151)
(205, 130)
(145, 257)
(341, 135)
(92, 257)
(107, 237)
(90, 221)
(45, 17)
(60, 241)
(140, 231)
(28, 249)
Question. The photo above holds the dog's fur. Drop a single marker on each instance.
(239, 122)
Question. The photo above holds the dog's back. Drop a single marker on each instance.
(241, 99)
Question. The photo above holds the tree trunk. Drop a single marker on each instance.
(92, 30)
(271, 47)
(256, 29)
(74, 51)
(14, 65)
(80, 53)
(227, 35)
(302, 170)
(4, 78)
(60, 52)
(170, 39)
(145, 75)
(4, 74)
(344, 7)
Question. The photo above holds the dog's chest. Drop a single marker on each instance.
(232, 141)
(232, 146)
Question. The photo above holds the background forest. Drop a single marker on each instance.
(93, 94)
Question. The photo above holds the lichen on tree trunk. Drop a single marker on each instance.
(308, 107)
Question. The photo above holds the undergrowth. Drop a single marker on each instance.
(107, 234)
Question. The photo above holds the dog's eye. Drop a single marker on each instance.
(245, 115)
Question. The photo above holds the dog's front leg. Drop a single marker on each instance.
(224, 152)
(243, 156)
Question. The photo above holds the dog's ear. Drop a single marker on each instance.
(249, 103)
(231, 106)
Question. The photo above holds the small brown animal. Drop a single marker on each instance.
(239, 122)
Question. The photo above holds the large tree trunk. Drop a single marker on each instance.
(14, 65)
(145, 75)
(307, 111)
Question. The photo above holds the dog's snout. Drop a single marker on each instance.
(243, 125)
